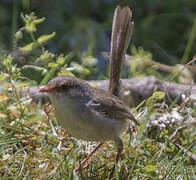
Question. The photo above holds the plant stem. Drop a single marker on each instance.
(189, 43)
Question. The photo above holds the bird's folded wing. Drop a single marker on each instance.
(110, 107)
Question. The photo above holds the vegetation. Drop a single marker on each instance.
(33, 146)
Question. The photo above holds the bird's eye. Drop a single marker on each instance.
(65, 85)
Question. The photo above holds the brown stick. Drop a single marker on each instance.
(140, 89)
(162, 67)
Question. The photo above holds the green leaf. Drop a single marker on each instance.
(60, 60)
(89, 61)
(52, 65)
(8, 61)
(78, 68)
(158, 95)
(23, 17)
(18, 35)
(64, 72)
(57, 68)
(31, 21)
(33, 72)
(133, 50)
(150, 103)
(150, 168)
(47, 56)
(170, 149)
(39, 21)
(2, 77)
(44, 38)
(29, 47)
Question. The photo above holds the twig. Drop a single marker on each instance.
(140, 89)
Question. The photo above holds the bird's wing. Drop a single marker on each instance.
(110, 106)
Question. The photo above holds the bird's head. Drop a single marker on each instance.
(59, 83)
(69, 85)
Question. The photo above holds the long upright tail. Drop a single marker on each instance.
(122, 28)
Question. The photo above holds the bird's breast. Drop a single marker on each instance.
(83, 123)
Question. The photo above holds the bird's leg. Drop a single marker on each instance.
(86, 159)
(120, 149)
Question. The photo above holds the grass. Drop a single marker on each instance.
(32, 146)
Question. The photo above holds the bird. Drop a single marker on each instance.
(88, 113)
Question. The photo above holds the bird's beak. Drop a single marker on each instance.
(46, 89)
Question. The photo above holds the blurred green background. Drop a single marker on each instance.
(161, 27)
